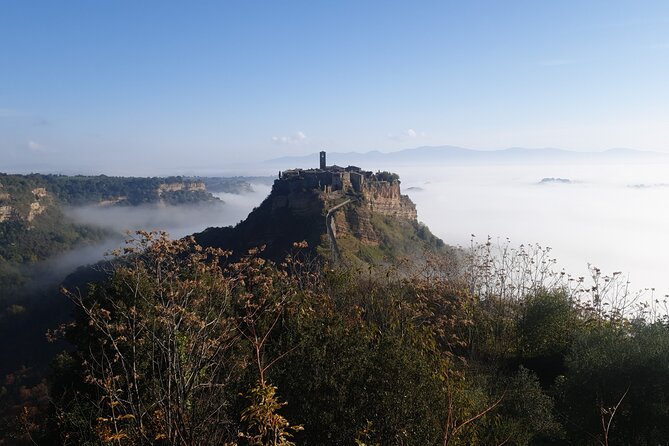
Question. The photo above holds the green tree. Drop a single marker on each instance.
(616, 386)
(152, 339)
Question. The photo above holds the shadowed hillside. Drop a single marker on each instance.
(347, 214)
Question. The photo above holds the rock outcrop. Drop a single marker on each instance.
(370, 221)
(176, 187)
(39, 192)
(112, 201)
(286, 216)
(39, 205)
(27, 211)
(6, 213)
(36, 208)
(384, 198)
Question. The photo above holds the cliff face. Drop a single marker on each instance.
(288, 215)
(376, 225)
(185, 186)
(355, 221)
(385, 198)
(38, 203)
(6, 212)
(296, 200)
(382, 231)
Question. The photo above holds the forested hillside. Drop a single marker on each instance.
(81, 189)
(232, 185)
(34, 226)
(38, 229)
(181, 346)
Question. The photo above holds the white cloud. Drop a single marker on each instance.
(295, 138)
(34, 146)
(409, 134)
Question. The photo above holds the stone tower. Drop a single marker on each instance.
(323, 163)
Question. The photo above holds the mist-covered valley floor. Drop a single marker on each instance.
(36, 307)
(177, 221)
(611, 216)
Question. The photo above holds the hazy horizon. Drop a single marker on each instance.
(268, 167)
(190, 86)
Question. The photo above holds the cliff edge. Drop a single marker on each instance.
(344, 214)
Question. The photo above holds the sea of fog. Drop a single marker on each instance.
(614, 217)
(178, 221)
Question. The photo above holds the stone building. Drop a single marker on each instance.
(329, 178)
(379, 195)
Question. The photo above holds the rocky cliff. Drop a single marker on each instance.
(6, 213)
(385, 198)
(382, 231)
(375, 225)
(181, 186)
(286, 216)
(37, 202)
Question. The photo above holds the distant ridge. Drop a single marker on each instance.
(461, 155)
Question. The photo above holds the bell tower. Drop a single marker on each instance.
(323, 162)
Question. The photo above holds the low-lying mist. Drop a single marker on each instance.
(614, 217)
(41, 306)
(178, 221)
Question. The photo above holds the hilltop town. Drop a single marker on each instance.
(380, 191)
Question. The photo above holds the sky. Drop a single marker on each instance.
(157, 87)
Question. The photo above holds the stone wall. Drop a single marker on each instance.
(357, 181)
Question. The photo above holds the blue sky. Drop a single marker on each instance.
(160, 86)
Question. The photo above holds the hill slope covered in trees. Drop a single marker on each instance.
(182, 345)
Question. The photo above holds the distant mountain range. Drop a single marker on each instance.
(460, 155)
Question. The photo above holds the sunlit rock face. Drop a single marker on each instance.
(385, 198)
(6, 213)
